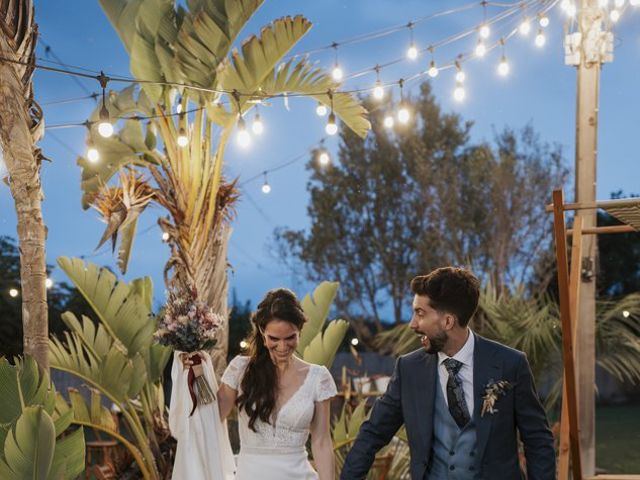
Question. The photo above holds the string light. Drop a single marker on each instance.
(614, 15)
(503, 66)
(243, 139)
(93, 155)
(540, 39)
(412, 51)
(48, 283)
(525, 27)
(323, 158)
(485, 31)
(331, 128)
(104, 126)
(481, 49)
(183, 139)
(257, 127)
(13, 293)
(403, 111)
(544, 21)
(321, 110)
(460, 75)
(388, 121)
(354, 341)
(572, 10)
(243, 344)
(378, 90)
(459, 93)
(626, 313)
(337, 72)
(266, 188)
(165, 236)
(433, 70)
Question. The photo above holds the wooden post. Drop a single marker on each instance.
(574, 293)
(567, 340)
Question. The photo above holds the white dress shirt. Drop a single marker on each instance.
(464, 356)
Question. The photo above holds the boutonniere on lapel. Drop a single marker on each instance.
(493, 391)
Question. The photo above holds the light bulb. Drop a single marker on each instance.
(336, 73)
(13, 293)
(540, 39)
(257, 126)
(354, 341)
(179, 108)
(564, 4)
(544, 21)
(388, 121)
(625, 313)
(266, 188)
(378, 91)
(433, 70)
(105, 129)
(412, 52)
(614, 15)
(459, 93)
(571, 10)
(480, 49)
(460, 76)
(165, 236)
(525, 27)
(243, 344)
(243, 138)
(48, 283)
(93, 155)
(321, 110)
(331, 127)
(503, 67)
(182, 140)
(324, 158)
(403, 115)
(485, 31)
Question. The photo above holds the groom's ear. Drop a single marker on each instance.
(449, 321)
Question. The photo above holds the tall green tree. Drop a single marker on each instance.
(404, 201)
(176, 161)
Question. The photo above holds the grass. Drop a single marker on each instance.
(618, 438)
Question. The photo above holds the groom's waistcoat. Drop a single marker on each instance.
(453, 452)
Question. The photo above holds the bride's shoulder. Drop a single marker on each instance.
(239, 361)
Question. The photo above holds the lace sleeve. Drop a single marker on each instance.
(233, 374)
(326, 387)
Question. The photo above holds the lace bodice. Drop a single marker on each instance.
(291, 427)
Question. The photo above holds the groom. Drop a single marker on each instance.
(462, 398)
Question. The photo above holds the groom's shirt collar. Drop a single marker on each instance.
(464, 355)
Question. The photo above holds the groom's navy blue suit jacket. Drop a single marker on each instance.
(410, 400)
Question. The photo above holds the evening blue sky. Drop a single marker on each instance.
(539, 90)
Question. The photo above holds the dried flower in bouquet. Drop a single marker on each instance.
(190, 326)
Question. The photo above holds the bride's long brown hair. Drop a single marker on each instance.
(259, 384)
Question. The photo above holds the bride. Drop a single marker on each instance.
(280, 398)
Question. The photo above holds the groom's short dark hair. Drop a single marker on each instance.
(450, 289)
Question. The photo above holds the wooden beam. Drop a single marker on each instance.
(603, 230)
(624, 202)
(567, 334)
(574, 294)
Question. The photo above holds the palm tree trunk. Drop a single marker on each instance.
(19, 127)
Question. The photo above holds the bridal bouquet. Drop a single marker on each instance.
(190, 326)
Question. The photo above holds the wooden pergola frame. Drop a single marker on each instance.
(569, 286)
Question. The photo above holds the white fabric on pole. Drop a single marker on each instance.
(204, 451)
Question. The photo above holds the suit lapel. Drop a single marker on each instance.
(485, 368)
(425, 399)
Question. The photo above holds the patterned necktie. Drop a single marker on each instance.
(455, 393)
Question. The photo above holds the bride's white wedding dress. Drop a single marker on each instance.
(277, 452)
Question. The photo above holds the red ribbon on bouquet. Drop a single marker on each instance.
(191, 380)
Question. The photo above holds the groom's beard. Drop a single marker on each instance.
(434, 344)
